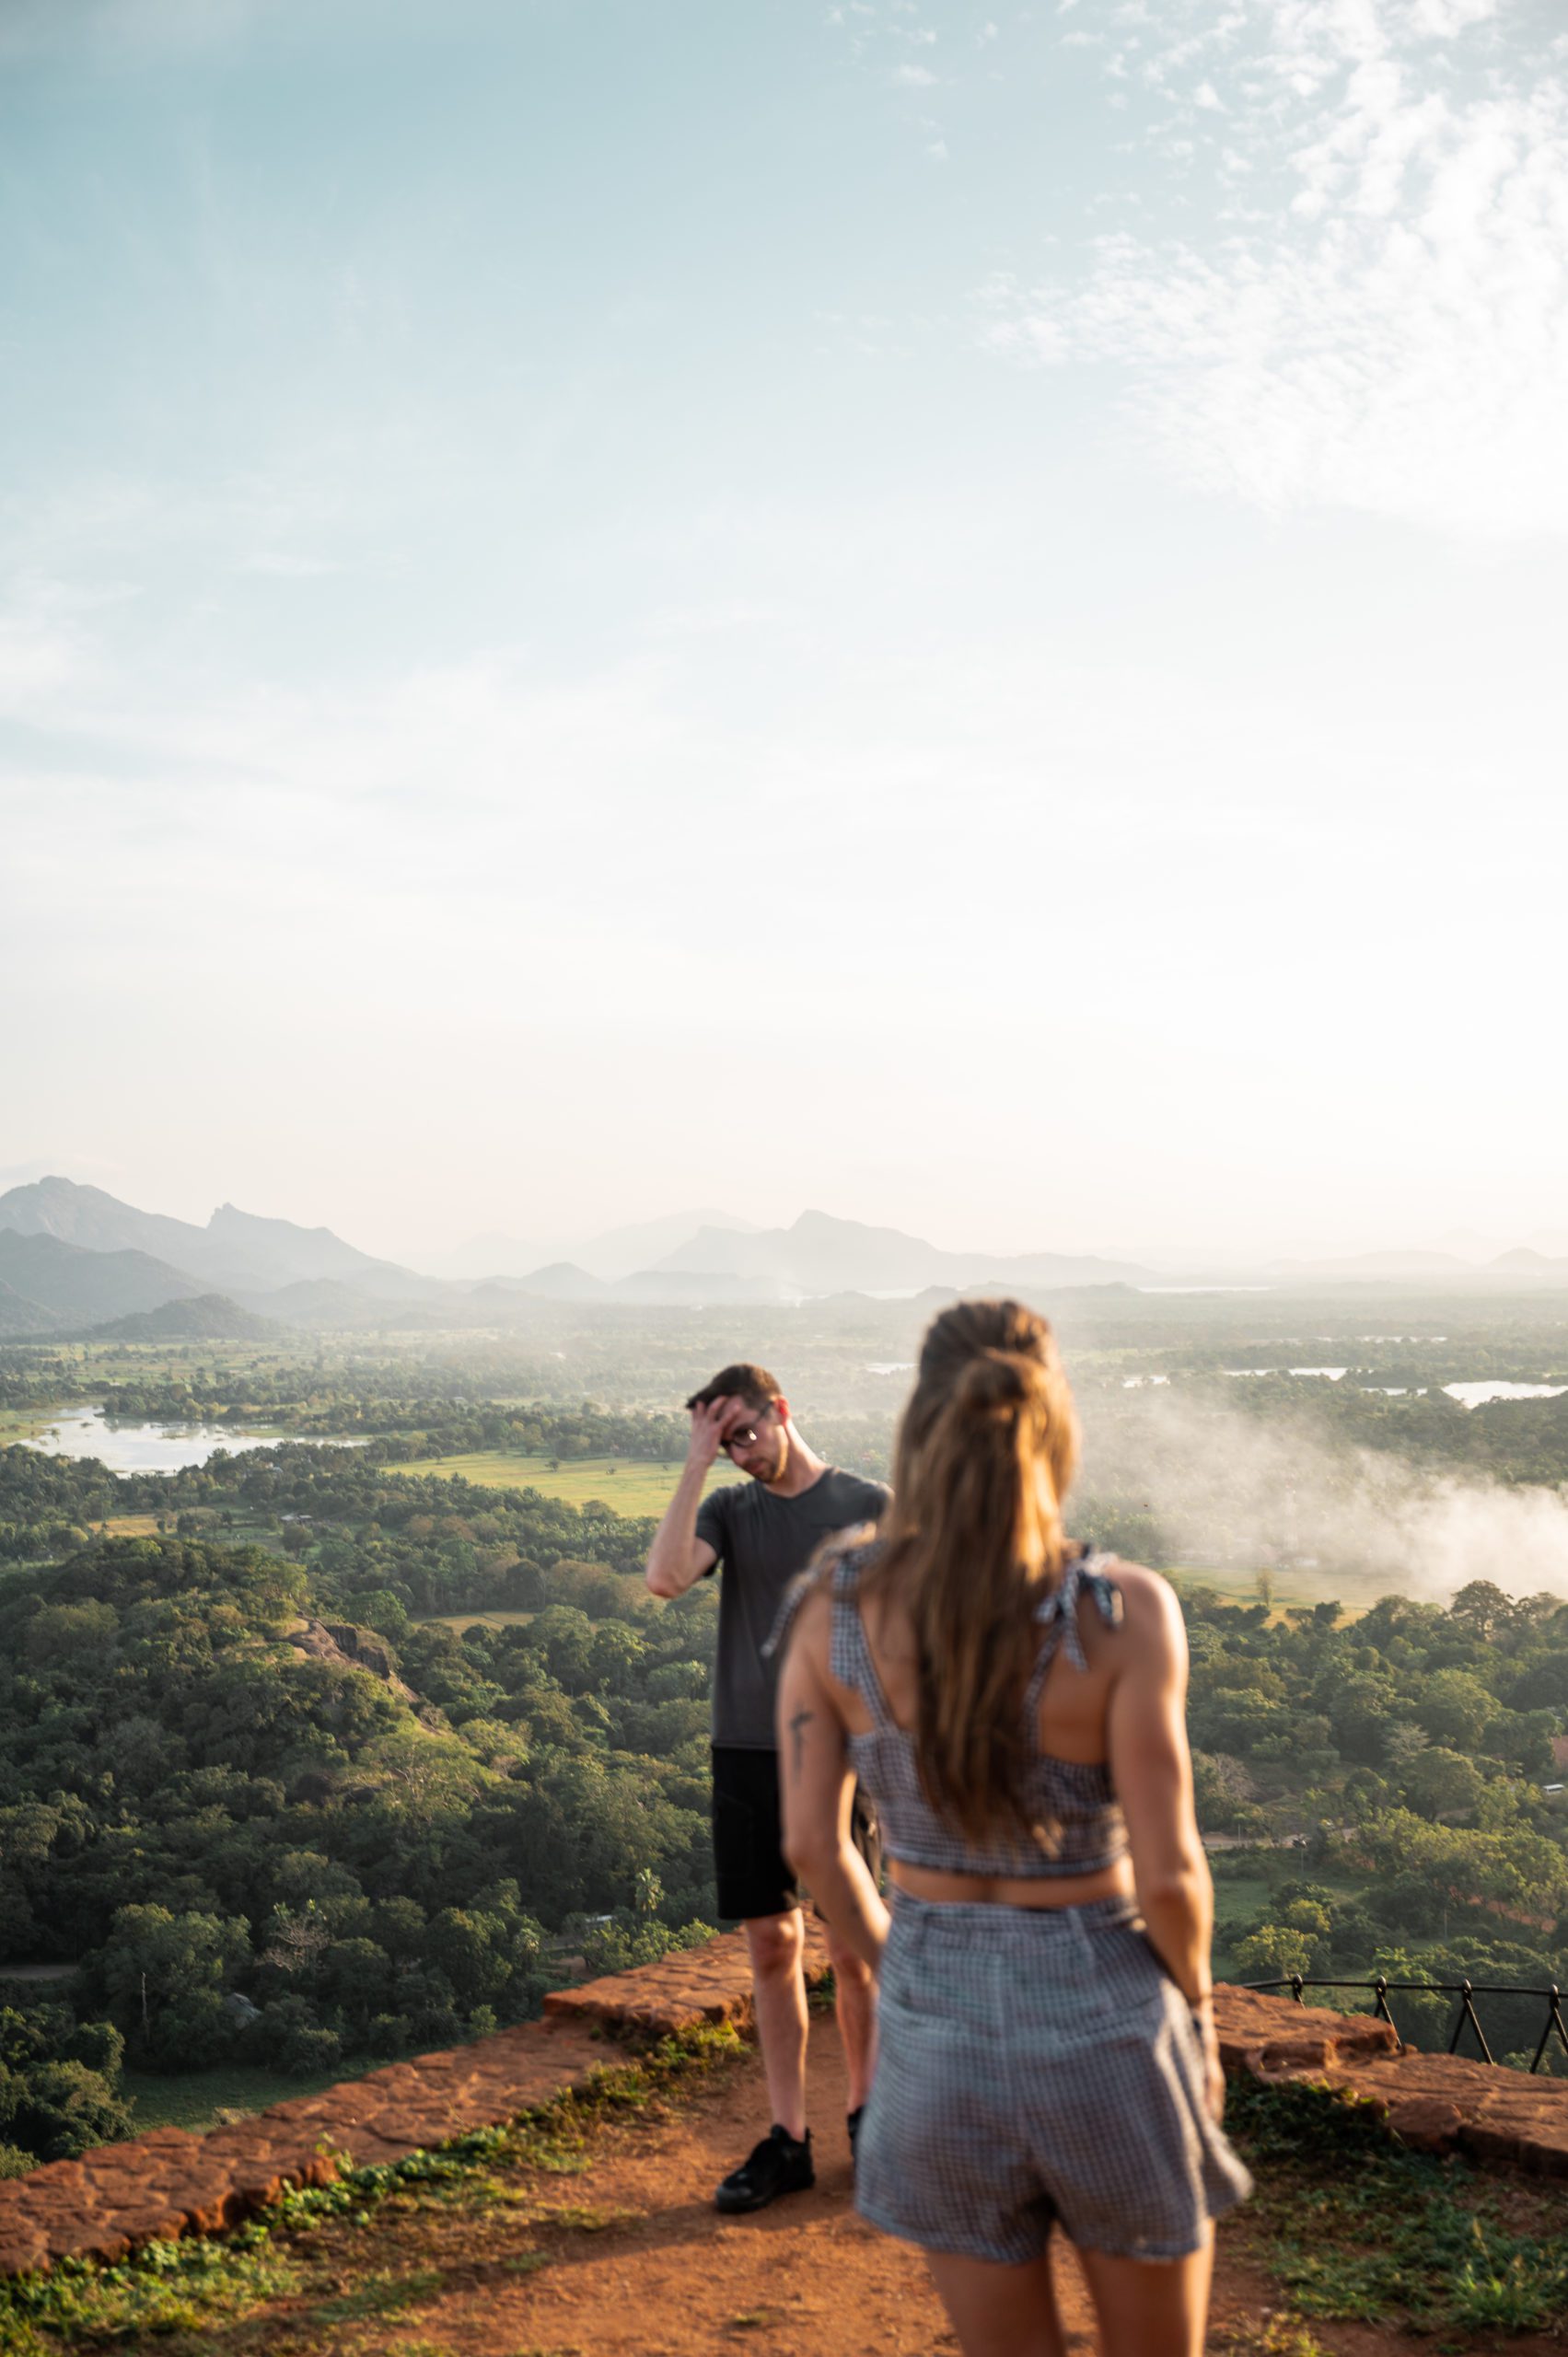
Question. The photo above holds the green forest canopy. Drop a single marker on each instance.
(271, 1809)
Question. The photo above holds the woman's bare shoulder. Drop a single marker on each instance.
(854, 1544)
(1150, 1606)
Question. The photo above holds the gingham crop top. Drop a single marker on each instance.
(1074, 1805)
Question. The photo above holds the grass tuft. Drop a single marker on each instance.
(1359, 2229)
(165, 2288)
(379, 2295)
(579, 2218)
(1270, 2337)
(170, 2289)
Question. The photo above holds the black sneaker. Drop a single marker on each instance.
(853, 2123)
(780, 2163)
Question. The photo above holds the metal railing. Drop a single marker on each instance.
(1464, 1989)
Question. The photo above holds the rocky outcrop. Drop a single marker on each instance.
(169, 2182)
(340, 1643)
(1274, 2038)
(684, 1990)
(1438, 2103)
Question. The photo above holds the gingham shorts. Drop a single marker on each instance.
(1038, 2065)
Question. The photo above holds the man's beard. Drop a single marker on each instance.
(775, 1473)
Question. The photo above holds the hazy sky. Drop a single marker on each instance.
(949, 612)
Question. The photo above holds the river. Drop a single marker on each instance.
(153, 1449)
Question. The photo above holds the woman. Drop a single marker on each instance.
(1013, 1706)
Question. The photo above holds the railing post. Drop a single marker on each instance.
(1380, 2009)
(1554, 2022)
(1467, 2013)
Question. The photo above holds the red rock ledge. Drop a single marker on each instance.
(170, 2182)
(1438, 2103)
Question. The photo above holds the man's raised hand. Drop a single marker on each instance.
(707, 1430)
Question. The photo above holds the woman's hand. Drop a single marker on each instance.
(1214, 2069)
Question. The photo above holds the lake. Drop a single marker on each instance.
(152, 1449)
(1202, 1288)
(1468, 1395)
(1478, 1395)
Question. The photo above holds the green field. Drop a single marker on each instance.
(462, 1620)
(23, 1424)
(194, 2099)
(1241, 1899)
(1238, 1902)
(1287, 1593)
(627, 1486)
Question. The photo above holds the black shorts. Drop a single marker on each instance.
(754, 1877)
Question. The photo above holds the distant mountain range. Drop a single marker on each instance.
(235, 1251)
(75, 1284)
(20, 1317)
(205, 1317)
(619, 1252)
(75, 1261)
(822, 1255)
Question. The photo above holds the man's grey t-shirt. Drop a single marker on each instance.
(761, 1542)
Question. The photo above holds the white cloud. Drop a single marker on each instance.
(913, 77)
(46, 650)
(1390, 334)
(35, 661)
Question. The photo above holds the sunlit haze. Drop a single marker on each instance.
(949, 613)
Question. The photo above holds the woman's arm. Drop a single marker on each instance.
(817, 1786)
(1151, 1769)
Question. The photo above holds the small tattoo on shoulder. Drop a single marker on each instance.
(797, 1727)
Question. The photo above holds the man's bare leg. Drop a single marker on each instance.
(776, 1944)
(855, 1998)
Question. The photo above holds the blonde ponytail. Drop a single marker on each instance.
(986, 1450)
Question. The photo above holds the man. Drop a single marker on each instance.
(763, 1532)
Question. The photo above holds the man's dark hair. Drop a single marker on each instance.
(743, 1381)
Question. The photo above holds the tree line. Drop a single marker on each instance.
(271, 1807)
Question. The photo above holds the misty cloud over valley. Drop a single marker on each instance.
(1214, 1486)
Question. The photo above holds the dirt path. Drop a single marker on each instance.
(677, 2278)
(629, 2258)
